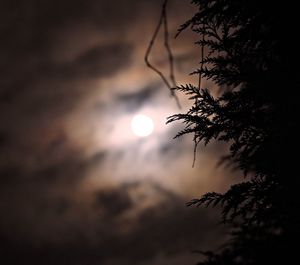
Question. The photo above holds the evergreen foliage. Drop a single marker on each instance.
(252, 55)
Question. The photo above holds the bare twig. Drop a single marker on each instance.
(195, 152)
(170, 55)
(172, 83)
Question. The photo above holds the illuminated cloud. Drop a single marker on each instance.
(77, 186)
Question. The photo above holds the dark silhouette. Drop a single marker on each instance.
(251, 54)
(163, 24)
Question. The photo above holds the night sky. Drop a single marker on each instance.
(77, 186)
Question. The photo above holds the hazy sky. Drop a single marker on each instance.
(77, 186)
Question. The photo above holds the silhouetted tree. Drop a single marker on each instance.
(251, 53)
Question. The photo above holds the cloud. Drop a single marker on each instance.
(107, 235)
(114, 202)
(100, 61)
(135, 100)
(75, 189)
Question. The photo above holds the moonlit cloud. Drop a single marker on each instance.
(77, 186)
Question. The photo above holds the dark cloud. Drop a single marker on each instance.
(135, 100)
(113, 201)
(43, 184)
(98, 62)
(171, 149)
(32, 51)
(167, 228)
(59, 166)
(31, 29)
(174, 231)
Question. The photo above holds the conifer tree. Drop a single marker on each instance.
(251, 53)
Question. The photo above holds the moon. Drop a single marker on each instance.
(142, 125)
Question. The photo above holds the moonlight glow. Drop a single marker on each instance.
(142, 125)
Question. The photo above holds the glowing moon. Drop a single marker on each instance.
(142, 125)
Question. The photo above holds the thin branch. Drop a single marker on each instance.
(167, 46)
(163, 21)
(195, 152)
(150, 48)
(170, 55)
